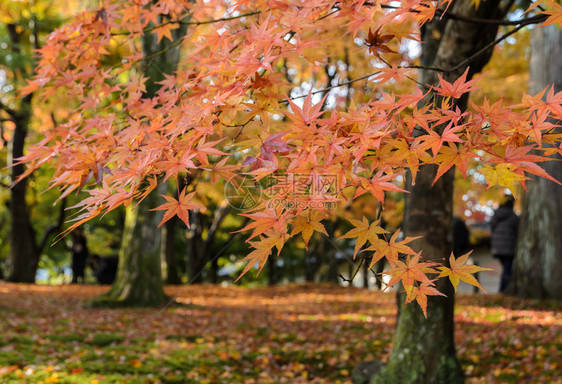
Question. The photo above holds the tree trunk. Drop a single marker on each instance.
(538, 262)
(139, 278)
(24, 256)
(424, 349)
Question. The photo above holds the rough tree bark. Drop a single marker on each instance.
(139, 277)
(538, 263)
(424, 349)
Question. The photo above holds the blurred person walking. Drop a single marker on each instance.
(79, 255)
(505, 224)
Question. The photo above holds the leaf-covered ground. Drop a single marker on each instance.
(288, 334)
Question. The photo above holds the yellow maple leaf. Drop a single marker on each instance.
(306, 226)
(506, 175)
(362, 232)
(459, 270)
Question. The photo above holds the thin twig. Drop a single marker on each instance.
(475, 20)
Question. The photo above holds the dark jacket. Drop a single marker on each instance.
(505, 224)
(106, 270)
(461, 237)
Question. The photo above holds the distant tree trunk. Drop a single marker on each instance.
(169, 262)
(224, 246)
(538, 262)
(24, 256)
(314, 257)
(201, 249)
(424, 349)
(215, 270)
(168, 254)
(309, 264)
(198, 252)
(139, 277)
(366, 271)
(272, 271)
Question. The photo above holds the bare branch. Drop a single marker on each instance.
(13, 114)
(220, 215)
(196, 23)
(476, 20)
(486, 48)
(53, 228)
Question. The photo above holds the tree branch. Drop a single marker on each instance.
(350, 280)
(476, 20)
(286, 101)
(196, 23)
(13, 114)
(220, 215)
(483, 50)
(4, 140)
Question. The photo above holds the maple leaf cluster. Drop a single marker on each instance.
(230, 110)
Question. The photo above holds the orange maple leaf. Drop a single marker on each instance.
(410, 271)
(266, 220)
(262, 250)
(554, 13)
(452, 155)
(458, 88)
(165, 31)
(420, 294)
(377, 185)
(434, 140)
(303, 116)
(179, 207)
(390, 249)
